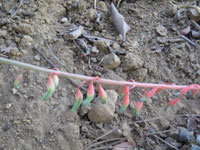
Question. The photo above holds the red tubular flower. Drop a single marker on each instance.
(125, 100)
(53, 82)
(18, 80)
(157, 89)
(174, 101)
(139, 106)
(123, 93)
(50, 89)
(102, 94)
(79, 99)
(152, 92)
(90, 94)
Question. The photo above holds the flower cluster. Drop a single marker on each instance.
(194, 87)
(90, 94)
(53, 82)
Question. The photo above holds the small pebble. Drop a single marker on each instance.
(14, 91)
(102, 45)
(14, 51)
(102, 6)
(185, 136)
(161, 30)
(37, 57)
(111, 61)
(63, 20)
(94, 50)
(8, 105)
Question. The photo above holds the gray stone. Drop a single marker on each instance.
(194, 14)
(162, 40)
(132, 62)
(104, 113)
(116, 46)
(84, 110)
(3, 33)
(26, 42)
(161, 30)
(111, 61)
(37, 57)
(63, 20)
(102, 45)
(91, 14)
(102, 6)
(26, 29)
(14, 51)
(140, 74)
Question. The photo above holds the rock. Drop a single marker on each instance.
(14, 91)
(113, 76)
(102, 45)
(132, 62)
(91, 14)
(3, 21)
(135, 44)
(102, 6)
(14, 51)
(84, 129)
(185, 136)
(116, 46)
(119, 39)
(82, 6)
(161, 30)
(8, 105)
(104, 113)
(93, 59)
(26, 42)
(194, 15)
(26, 29)
(162, 40)
(3, 33)
(139, 74)
(63, 20)
(111, 61)
(84, 110)
(172, 11)
(37, 57)
(94, 50)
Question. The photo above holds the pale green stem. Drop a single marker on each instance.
(82, 77)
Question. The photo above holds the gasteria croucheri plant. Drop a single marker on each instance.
(150, 89)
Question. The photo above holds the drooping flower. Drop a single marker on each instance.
(125, 100)
(181, 94)
(123, 93)
(90, 94)
(18, 80)
(152, 92)
(102, 94)
(79, 99)
(138, 108)
(50, 89)
(53, 82)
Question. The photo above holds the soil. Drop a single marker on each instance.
(28, 123)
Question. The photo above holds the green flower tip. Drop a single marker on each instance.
(76, 105)
(87, 100)
(122, 109)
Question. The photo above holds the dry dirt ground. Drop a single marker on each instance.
(27, 123)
